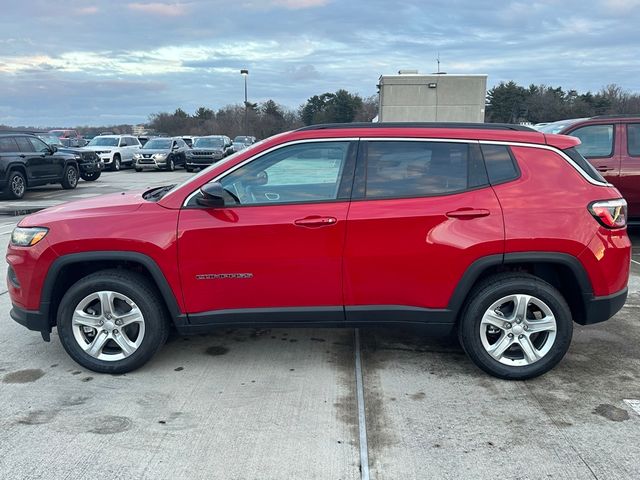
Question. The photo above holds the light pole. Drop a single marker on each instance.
(245, 73)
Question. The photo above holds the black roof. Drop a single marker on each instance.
(470, 126)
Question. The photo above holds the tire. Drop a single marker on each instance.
(131, 297)
(188, 169)
(69, 177)
(171, 166)
(138, 169)
(16, 185)
(90, 177)
(117, 162)
(490, 322)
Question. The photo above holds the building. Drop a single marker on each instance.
(413, 97)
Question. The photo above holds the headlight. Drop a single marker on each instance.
(137, 155)
(28, 237)
(160, 156)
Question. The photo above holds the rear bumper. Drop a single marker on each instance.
(600, 309)
(33, 320)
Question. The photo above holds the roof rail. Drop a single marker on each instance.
(470, 126)
(619, 115)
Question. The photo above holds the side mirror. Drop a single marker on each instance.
(175, 147)
(212, 195)
(53, 149)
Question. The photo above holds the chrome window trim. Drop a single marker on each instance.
(269, 150)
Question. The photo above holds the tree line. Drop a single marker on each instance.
(511, 103)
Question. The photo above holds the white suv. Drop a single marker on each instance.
(115, 150)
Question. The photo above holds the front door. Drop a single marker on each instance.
(273, 253)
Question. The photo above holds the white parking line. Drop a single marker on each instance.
(634, 404)
(362, 421)
(635, 261)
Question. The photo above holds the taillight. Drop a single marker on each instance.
(610, 213)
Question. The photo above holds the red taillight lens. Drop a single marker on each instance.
(610, 213)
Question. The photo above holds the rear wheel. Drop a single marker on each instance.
(112, 321)
(516, 326)
(16, 185)
(70, 177)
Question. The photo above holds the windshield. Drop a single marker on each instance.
(208, 143)
(158, 144)
(103, 142)
(241, 140)
(557, 127)
(49, 139)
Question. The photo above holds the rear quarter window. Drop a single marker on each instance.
(500, 164)
(584, 164)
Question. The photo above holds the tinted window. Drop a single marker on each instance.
(38, 144)
(582, 162)
(8, 144)
(309, 172)
(500, 165)
(633, 139)
(24, 144)
(414, 169)
(597, 140)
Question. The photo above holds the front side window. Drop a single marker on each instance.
(302, 173)
(597, 140)
(633, 139)
(397, 169)
(38, 145)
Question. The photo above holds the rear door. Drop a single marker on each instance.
(422, 213)
(598, 145)
(629, 184)
(37, 163)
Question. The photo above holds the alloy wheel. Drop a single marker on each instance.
(17, 186)
(108, 325)
(518, 330)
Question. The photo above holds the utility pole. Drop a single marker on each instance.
(245, 73)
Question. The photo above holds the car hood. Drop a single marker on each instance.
(150, 151)
(125, 202)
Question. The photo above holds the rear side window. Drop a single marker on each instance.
(597, 140)
(8, 144)
(415, 169)
(24, 144)
(499, 162)
(633, 139)
(584, 164)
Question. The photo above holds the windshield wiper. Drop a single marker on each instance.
(157, 193)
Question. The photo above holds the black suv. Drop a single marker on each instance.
(26, 161)
(89, 163)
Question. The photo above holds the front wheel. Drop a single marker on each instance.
(70, 177)
(116, 163)
(171, 166)
(516, 326)
(112, 321)
(90, 177)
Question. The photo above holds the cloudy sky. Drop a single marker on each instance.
(69, 63)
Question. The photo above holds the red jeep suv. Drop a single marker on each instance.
(502, 233)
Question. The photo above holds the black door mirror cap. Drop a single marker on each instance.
(212, 195)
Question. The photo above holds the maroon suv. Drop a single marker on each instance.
(612, 144)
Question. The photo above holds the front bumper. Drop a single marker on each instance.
(600, 309)
(33, 320)
(152, 163)
(197, 162)
(91, 167)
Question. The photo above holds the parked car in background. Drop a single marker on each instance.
(497, 232)
(161, 154)
(144, 139)
(26, 161)
(242, 141)
(115, 151)
(611, 143)
(188, 141)
(207, 150)
(89, 164)
(72, 136)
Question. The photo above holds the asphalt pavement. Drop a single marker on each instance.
(283, 403)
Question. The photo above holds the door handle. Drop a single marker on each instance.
(604, 168)
(314, 221)
(468, 213)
